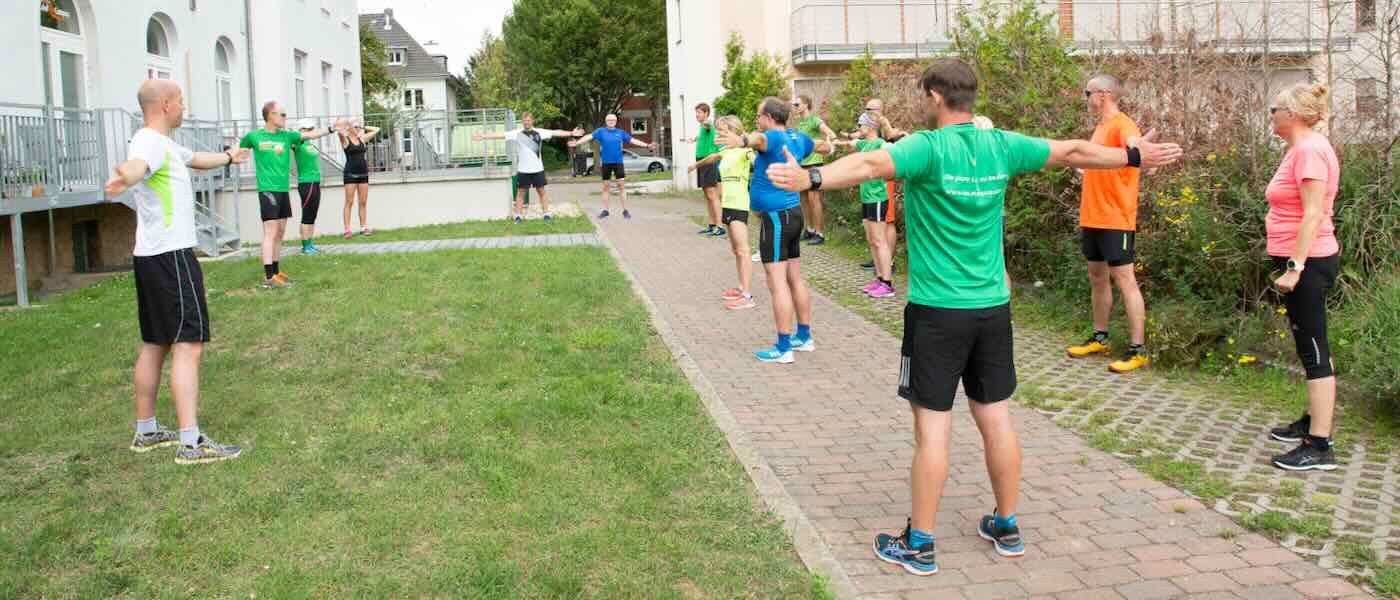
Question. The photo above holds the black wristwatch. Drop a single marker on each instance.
(816, 176)
(1294, 265)
(1134, 157)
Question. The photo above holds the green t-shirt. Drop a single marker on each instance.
(811, 126)
(705, 141)
(955, 182)
(308, 161)
(873, 191)
(272, 156)
(735, 170)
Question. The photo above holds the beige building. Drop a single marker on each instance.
(817, 39)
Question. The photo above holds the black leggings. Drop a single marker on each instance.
(1307, 312)
(310, 201)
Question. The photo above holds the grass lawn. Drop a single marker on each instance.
(466, 229)
(415, 426)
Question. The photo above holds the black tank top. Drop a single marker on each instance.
(355, 158)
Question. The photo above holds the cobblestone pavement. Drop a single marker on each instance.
(837, 439)
(519, 241)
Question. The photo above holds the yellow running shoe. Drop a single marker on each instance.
(1135, 359)
(1093, 345)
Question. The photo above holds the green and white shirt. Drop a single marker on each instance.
(955, 182)
(165, 197)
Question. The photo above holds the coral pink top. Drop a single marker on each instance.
(1311, 158)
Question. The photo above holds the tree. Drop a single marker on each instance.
(374, 76)
(493, 81)
(748, 80)
(585, 57)
(849, 103)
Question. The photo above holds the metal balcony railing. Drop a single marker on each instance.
(840, 30)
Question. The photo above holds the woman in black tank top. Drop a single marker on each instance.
(356, 176)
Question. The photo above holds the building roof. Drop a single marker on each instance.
(418, 64)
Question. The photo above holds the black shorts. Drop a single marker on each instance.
(733, 214)
(353, 178)
(310, 201)
(613, 171)
(531, 180)
(1108, 245)
(945, 345)
(1307, 312)
(275, 205)
(779, 235)
(879, 212)
(707, 175)
(170, 303)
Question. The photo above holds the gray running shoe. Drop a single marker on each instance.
(159, 438)
(205, 452)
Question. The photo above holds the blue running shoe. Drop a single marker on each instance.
(1006, 539)
(517, 219)
(895, 550)
(773, 355)
(806, 345)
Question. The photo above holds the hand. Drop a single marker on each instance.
(691, 168)
(241, 155)
(1155, 154)
(730, 139)
(652, 146)
(117, 184)
(476, 137)
(789, 176)
(577, 132)
(1286, 282)
(982, 122)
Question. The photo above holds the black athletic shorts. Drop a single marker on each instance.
(1307, 311)
(779, 235)
(275, 205)
(733, 214)
(879, 212)
(1108, 245)
(356, 178)
(170, 303)
(613, 171)
(310, 201)
(707, 175)
(945, 345)
(531, 180)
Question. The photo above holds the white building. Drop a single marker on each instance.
(424, 83)
(304, 53)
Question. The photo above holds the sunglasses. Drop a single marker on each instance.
(280, 114)
(870, 109)
(1090, 93)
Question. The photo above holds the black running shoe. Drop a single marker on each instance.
(603, 214)
(1007, 540)
(1292, 432)
(817, 240)
(1306, 457)
(806, 235)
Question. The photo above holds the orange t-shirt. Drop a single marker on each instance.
(1110, 196)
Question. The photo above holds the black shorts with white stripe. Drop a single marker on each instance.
(170, 303)
(943, 346)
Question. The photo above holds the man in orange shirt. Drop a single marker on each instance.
(1108, 220)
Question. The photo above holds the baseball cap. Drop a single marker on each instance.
(306, 124)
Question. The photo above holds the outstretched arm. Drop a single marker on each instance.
(583, 140)
(320, 133)
(847, 172)
(489, 135)
(755, 140)
(640, 144)
(1082, 154)
(578, 131)
(704, 161)
(214, 160)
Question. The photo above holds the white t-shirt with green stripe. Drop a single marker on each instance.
(165, 197)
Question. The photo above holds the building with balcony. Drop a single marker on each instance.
(817, 39)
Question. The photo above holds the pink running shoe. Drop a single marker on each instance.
(882, 291)
(872, 286)
(732, 294)
(740, 303)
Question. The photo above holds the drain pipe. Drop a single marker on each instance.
(252, 113)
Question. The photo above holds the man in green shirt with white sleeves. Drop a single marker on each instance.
(957, 325)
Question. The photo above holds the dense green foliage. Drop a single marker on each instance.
(747, 81)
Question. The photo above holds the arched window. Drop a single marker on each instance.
(222, 56)
(59, 15)
(157, 43)
(223, 77)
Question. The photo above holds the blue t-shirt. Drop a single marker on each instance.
(763, 197)
(611, 139)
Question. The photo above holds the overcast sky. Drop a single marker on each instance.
(456, 25)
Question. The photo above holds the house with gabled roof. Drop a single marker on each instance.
(425, 82)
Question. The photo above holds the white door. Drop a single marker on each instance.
(65, 88)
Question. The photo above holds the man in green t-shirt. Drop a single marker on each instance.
(707, 173)
(272, 159)
(308, 159)
(810, 124)
(957, 326)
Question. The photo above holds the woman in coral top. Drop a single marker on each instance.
(1303, 247)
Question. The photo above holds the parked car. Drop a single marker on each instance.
(637, 163)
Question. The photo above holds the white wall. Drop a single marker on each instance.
(115, 58)
(392, 205)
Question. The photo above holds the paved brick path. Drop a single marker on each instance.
(828, 443)
(519, 241)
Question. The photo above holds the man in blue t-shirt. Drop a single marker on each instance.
(610, 141)
(782, 225)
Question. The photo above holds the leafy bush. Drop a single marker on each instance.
(748, 80)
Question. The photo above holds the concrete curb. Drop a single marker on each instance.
(810, 546)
